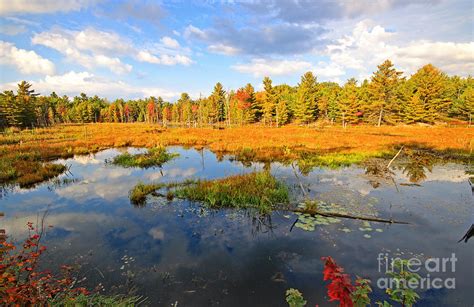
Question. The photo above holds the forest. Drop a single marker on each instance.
(428, 96)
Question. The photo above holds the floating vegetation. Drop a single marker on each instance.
(153, 157)
(308, 222)
(258, 190)
(367, 229)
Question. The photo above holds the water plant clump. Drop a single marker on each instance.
(153, 157)
(138, 194)
(258, 190)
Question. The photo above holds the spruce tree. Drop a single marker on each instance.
(218, 102)
(383, 89)
(430, 85)
(268, 107)
(306, 108)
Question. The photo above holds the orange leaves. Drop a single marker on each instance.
(21, 283)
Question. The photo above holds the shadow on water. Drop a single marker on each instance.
(178, 251)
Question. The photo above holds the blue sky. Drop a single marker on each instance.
(135, 49)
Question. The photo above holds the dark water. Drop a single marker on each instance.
(177, 252)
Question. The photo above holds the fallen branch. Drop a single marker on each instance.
(393, 159)
(348, 216)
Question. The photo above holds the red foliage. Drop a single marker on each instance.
(341, 287)
(195, 108)
(21, 283)
(243, 99)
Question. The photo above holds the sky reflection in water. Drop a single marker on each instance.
(177, 251)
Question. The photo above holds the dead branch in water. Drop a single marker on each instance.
(342, 215)
(393, 159)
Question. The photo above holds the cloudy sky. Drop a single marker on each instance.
(135, 49)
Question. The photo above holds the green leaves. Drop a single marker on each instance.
(294, 298)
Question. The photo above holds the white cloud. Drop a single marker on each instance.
(42, 6)
(263, 67)
(329, 71)
(192, 31)
(223, 49)
(165, 59)
(369, 45)
(170, 42)
(89, 48)
(73, 83)
(27, 62)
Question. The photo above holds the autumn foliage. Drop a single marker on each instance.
(21, 282)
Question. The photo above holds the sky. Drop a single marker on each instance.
(135, 49)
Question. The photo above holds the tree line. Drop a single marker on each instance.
(428, 96)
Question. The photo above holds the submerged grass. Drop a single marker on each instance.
(258, 190)
(154, 157)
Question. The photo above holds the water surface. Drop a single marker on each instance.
(179, 252)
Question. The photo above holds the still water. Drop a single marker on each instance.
(179, 252)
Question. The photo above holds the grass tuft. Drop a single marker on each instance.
(138, 194)
(154, 157)
(258, 190)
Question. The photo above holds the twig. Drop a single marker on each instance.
(390, 163)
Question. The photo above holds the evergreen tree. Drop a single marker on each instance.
(429, 83)
(218, 102)
(306, 109)
(268, 107)
(383, 89)
(281, 116)
(349, 106)
(255, 111)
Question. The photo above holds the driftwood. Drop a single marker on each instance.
(347, 216)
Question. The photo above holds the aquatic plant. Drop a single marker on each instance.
(138, 194)
(341, 288)
(294, 298)
(153, 157)
(258, 190)
(23, 284)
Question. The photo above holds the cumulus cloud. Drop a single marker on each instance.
(145, 56)
(369, 45)
(73, 83)
(93, 48)
(170, 42)
(42, 6)
(264, 67)
(26, 61)
(89, 48)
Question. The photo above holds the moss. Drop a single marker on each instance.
(154, 157)
(258, 190)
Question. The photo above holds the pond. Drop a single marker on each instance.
(178, 251)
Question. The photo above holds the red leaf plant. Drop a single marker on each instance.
(340, 288)
(20, 281)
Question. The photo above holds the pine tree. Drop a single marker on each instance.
(281, 116)
(306, 108)
(349, 106)
(268, 107)
(218, 103)
(383, 89)
(255, 111)
(413, 110)
(430, 85)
